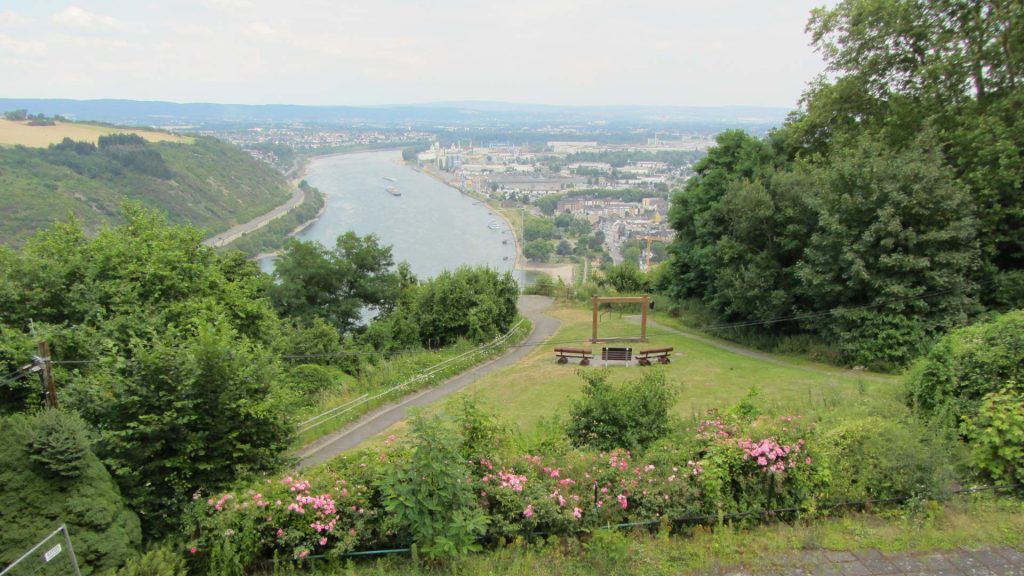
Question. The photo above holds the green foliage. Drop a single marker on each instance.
(476, 303)
(903, 67)
(630, 416)
(39, 494)
(607, 551)
(879, 209)
(876, 459)
(966, 365)
(538, 229)
(160, 561)
(893, 252)
(538, 250)
(996, 435)
(221, 425)
(210, 184)
(276, 233)
(335, 285)
(427, 496)
(626, 278)
(59, 444)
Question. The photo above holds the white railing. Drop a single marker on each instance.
(425, 375)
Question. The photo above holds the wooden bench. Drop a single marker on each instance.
(644, 357)
(616, 355)
(583, 354)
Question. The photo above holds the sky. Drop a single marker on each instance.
(380, 52)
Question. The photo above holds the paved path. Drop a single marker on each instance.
(763, 356)
(544, 326)
(258, 222)
(997, 561)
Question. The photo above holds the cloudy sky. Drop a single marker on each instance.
(578, 52)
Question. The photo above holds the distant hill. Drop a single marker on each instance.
(203, 181)
(154, 113)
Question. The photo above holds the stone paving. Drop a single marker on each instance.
(998, 561)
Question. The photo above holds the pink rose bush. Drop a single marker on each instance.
(721, 464)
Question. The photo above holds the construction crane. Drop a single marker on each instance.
(650, 239)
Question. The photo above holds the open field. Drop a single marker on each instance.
(14, 133)
(707, 372)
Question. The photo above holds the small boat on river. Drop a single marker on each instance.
(493, 225)
(393, 191)
(390, 179)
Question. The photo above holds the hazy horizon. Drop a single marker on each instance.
(396, 53)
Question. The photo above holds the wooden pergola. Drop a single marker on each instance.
(644, 301)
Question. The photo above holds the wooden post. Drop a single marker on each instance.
(643, 318)
(49, 388)
(593, 335)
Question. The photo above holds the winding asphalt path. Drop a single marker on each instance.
(544, 326)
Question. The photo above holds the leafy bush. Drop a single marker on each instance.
(878, 459)
(627, 416)
(65, 483)
(160, 561)
(996, 435)
(427, 496)
(965, 365)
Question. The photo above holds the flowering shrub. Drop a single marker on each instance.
(748, 470)
(429, 492)
(290, 517)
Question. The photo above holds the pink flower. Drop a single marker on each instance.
(528, 513)
(303, 553)
(323, 541)
(808, 461)
(192, 550)
(576, 513)
(622, 501)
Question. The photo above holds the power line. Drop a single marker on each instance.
(713, 327)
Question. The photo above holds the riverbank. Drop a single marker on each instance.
(520, 263)
(232, 234)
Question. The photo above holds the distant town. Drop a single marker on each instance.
(521, 173)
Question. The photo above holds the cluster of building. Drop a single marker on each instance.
(507, 171)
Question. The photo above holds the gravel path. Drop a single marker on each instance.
(544, 326)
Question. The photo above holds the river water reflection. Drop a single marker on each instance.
(431, 226)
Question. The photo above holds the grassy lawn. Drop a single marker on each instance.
(12, 133)
(707, 376)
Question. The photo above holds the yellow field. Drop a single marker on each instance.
(12, 133)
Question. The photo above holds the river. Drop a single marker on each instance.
(431, 226)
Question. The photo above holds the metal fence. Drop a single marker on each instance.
(52, 556)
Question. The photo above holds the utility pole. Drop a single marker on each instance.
(46, 374)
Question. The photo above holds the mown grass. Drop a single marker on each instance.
(706, 375)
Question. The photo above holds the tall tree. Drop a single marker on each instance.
(337, 285)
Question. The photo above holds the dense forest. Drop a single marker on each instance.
(208, 183)
(888, 209)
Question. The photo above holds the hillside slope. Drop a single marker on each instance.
(208, 183)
